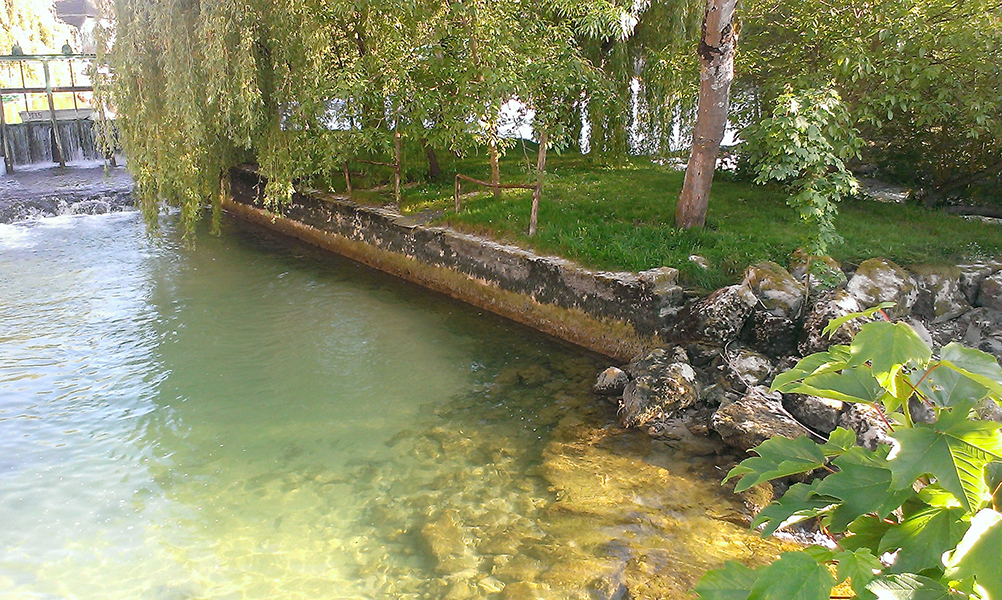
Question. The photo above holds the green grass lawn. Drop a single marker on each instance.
(621, 218)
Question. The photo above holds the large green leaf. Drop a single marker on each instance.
(862, 483)
(954, 450)
(922, 538)
(934, 495)
(795, 576)
(888, 347)
(947, 387)
(977, 365)
(908, 587)
(800, 502)
(854, 384)
(979, 554)
(839, 321)
(860, 567)
(733, 582)
(777, 457)
(839, 442)
(993, 477)
(815, 364)
(865, 532)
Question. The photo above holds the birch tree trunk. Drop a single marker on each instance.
(537, 193)
(716, 71)
(495, 170)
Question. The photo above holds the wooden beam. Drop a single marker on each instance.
(52, 115)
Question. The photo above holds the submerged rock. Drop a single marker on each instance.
(646, 521)
(776, 289)
(444, 539)
(754, 419)
(660, 390)
(525, 590)
(677, 434)
(611, 382)
(879, 280)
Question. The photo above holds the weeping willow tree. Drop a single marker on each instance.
(650, 79)
(302, 87)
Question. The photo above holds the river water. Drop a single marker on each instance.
(249, 419)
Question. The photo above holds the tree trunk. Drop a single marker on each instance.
(979, 211)
(434, 169)
(538, 192)
(938, 195)
(495, 170)
(716, 70)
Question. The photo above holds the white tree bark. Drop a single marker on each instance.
(716, 71)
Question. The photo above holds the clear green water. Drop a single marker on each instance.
(251, 420)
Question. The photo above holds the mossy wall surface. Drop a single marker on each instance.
(616, 314)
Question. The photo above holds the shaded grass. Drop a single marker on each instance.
(621, 218)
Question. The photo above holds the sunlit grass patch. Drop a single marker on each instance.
(621, 217)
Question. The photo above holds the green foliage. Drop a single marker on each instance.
(33, 26)
(928, 508)
(616, 218)
(302, 87)
(804, 145)
(921, 78)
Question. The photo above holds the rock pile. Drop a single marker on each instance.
(727, 347)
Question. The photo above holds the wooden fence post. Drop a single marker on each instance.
(396, 167)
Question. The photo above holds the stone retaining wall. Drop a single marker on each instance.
(616, 314)
(697, 367)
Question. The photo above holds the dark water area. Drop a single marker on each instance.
(250, 418)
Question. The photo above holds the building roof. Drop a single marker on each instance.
(75, 12)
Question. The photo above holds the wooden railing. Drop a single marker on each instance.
(501, 186)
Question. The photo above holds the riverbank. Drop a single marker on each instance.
(702, 363)
(621, 218)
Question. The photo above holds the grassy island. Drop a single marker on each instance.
(620, 217)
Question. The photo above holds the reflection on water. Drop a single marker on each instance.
(245, 420)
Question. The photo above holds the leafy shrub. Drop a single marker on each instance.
(917, 521)
(804, 145)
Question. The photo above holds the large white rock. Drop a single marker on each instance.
(829, 306)
(879, 280)
(939, 293)
(778, 291)
(990, 292)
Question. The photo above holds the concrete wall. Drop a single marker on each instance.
(617, 314)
